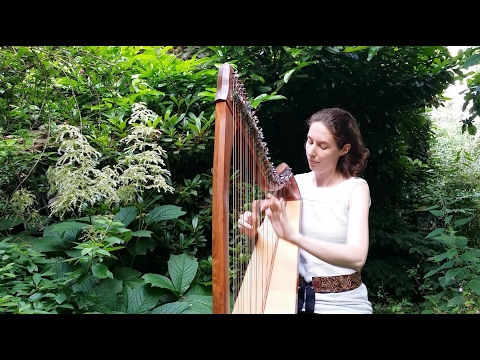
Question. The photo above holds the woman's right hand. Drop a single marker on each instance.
(248, 221)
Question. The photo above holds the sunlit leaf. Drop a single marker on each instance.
(472, 60)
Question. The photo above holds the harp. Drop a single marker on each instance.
(263, 277)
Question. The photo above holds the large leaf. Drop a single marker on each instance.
(182, 269)
(164, 212)
(460, 222)
(108, 292)
(199, 290)
(128, 275)
(158, 281)
(101, 271)
(354, 48)
(140, 299)
(171, 308)
(49, 243)
(430, 273)
(142, 233)
(140, 246)
(198, 304)
(469, 257)
(457, 274)
(6, 224)
(439, 257)
(456, 301)
(472, 60)
(68, 225)
(435, 232)
(86, 284)
(126, 215)
(474, 285)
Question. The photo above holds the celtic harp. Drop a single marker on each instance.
(259, 275)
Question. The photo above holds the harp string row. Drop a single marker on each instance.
(253, 176)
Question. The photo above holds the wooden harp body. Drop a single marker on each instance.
(269, 281)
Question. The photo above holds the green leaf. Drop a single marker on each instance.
(141, 246)
(461, 241)
(436, 212)
(114, 240)
(198, 304)
(435, 232)
(472, 60)
(474, 285)
(373, 51)
(140, 299)
(126, 273)
(6, 224)
(467, 256)
(61, 297)
(171, 308)
(452, 253)
(472, 129)
(142, 233)
(456, 300)
(22, 51)
(439, 257)
(68, 225)
(447, 265)
(35, 296)
(182, 269)
(37, 278)
(460, 222)
(126, 215)
(198, 289)
(164, 212)
(101, 271)
(108, 294)
(458, 274)
(354, 48)
(430, 273)
(49, 243)
(158, 281)
(288, 75)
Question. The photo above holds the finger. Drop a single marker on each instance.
(265, 204)
(255, 211)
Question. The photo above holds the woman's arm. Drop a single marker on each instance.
(352, 254)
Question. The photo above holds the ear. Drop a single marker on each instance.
(346, 149)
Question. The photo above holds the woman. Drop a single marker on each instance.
(333, 237)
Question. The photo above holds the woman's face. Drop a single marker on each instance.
(321, 148)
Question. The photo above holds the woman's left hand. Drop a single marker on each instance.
(276, 211)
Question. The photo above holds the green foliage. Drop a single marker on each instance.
(28, 283)
(471, 60)
(191, 299)
(115, 115)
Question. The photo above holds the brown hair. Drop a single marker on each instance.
(345, 130)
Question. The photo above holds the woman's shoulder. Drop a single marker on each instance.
(301, 175)
(355, 180)
(302, 178)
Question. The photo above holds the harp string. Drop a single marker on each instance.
(252, 177)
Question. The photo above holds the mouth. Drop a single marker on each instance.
(312, 162)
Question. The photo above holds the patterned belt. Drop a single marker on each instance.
(324, 284)
(333, 284)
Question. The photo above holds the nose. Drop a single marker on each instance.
(310, 153)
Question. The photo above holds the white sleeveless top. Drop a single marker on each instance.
(324, 217)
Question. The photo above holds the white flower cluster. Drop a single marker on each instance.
(76, 181)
